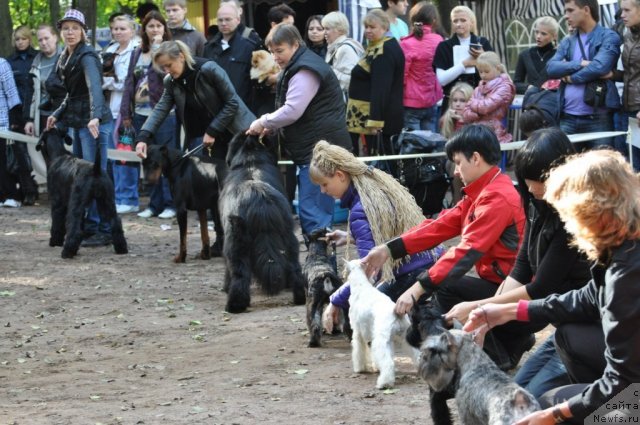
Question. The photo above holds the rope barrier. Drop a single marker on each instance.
(119, 155)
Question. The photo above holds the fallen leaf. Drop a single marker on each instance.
(95, 397)
(300, 371)
(7, 293)
(234, 361)
(390, 391)
(195, 323)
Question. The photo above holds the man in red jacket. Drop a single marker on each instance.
(489, 221)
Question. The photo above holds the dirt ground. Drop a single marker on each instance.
(137, 339)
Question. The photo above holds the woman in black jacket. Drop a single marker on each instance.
(206, 102)
(597, 196)
(84, 109)
(531, 69)
(20, 62)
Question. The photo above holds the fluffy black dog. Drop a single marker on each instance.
(195, 185)
(321, 280)
(427, 321)
(73, 184)
(258, 225)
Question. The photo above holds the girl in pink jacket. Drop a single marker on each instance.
(490, 102)
(421, 88)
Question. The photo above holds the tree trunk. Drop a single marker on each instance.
(54, 10)
(5, 29)
(88, 7)
(444, 7)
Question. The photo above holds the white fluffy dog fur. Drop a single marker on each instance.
(374, 321)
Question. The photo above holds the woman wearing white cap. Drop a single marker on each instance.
(84, 110)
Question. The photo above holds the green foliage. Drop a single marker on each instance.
(36, 12)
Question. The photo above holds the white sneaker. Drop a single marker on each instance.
(147, 213)
(167, 213)
(126, 209)
(12, 203)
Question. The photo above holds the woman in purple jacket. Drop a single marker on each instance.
(380, 208)
(142, 90)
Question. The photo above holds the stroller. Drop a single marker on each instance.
(426, 178)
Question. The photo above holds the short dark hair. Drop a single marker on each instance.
(143, 9)
(531, 119)
(475, 138)
(278, 12)
(545, 148)
(385, 3)
(594, 7)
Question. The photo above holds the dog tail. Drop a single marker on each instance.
(97, 170)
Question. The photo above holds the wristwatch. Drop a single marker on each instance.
(558, 416)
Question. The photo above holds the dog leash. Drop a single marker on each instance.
(188, 154)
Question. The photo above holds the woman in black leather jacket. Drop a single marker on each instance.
(84, 110)
(205, 100)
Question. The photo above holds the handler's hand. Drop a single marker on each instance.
(256, 129)
(141, 150)
(51, 122)
(29, 128)
(208, 141)
(330, 317)
(405, 302)
(94, 127)
(375, 259)
(460, 312)
(541, 417)
(340, 237)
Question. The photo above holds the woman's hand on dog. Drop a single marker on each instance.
(330, 317)
(51, 122)
(406, 301)
(340, 237)
(485, 317)
(141, 150)
(460, 312)
(257, 129)
(208, 141)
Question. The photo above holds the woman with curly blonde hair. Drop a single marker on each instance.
(597, 195)
(380, 209)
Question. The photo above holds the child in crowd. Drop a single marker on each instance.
(380, 208)
(490, 101)
(451, 120)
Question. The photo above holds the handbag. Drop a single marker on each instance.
(419, 171)
(595, 92)
(126, 136)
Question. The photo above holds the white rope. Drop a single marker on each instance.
(132, 157)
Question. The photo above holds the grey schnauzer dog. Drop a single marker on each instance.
(321, 280)
(484, 394)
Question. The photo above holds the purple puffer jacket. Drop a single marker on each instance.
(361, 232)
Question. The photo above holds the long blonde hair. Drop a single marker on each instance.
(390, 209)
(597, 195)
(448, 124)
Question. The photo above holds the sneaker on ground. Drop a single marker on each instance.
(167, 213)
(11, 203)
(98, 239)
(126, 209)
(147, 213)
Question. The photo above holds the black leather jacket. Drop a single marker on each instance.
(214, 91)
(82, 77)
(610, 298)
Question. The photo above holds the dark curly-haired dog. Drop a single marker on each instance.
(195, 185)
(258, 225)
(321, 280)
(73, 184)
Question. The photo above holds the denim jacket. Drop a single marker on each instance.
(604, 50)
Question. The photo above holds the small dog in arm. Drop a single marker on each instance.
(262, 65)
(73, 184)
(484, 394)
(374, 321)
(195, 185)
(321, 281)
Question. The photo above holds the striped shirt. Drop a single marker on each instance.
(8, 93)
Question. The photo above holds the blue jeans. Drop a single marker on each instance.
(621, 123)
(394, 289)
(84, 146)
(315, 208)
(573, 124)
(543, 370)
(421, 118)
(160, 197)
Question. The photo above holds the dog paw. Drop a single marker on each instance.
(121, 249)
(68, 253)
(235, 308)
(180, 258)
(382, 385)
(204, 254)
(56, 242)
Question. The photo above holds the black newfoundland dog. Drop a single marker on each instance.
(258, 225)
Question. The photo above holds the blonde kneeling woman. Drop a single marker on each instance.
(598, 198)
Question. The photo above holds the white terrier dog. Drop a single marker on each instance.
(374, 321)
